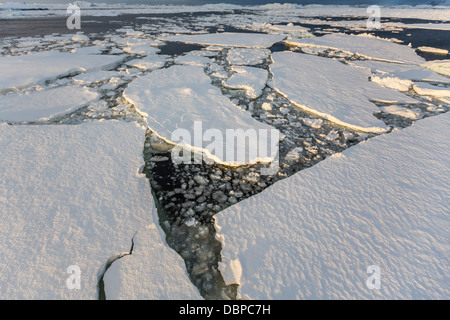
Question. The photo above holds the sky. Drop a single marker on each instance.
(252, 2)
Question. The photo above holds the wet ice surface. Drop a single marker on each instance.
(124, 64)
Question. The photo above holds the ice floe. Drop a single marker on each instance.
(36, 68)
(315, 234)
(72, 195)
(229, 39)
(44, 104)
(335, 91)
(439, 66)
(150, 62)
(245, 56)
(368, 47)
(177, 97)
(252, 80)
(401, 71)
(96, 76)
(143, 274)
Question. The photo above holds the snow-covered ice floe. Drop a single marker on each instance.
(150, 62)
(143, 275)
(44, 104)
(367, 47)
(229, 39)
(36, 68)
(330, 89)
(246, 56)
(427, 89)
(433, 50)
(383, 202)
(432, 26)
(178, 97)
(72, 195)
(401, 71)
(252, 80)
(439, 66)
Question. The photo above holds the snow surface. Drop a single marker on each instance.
(96, 76)
(36, 68)
(383, 202)
(45, 104)
(193, 60)
(433, 26)
(150, 62)
(252, 80)
(369, 47)
(229, 39)
(427, 89)
(433, 50)
(176, 97)
(72, 195)
(143, 275)
(401, 71)
(245, 56)
(143, 49)
(330, 89)
(439, 66)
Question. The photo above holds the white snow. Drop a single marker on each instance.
(193, 60)
(72, 195)
(427, 89)
(393, 83)
(143, 275)
(330, 89)
(402, 112)
(433, 50)
(96, 76)
(439, 66)
(150, 62)
(36, 68)
(176, 97)
(245, 56)
(401, 71)
(44, 104)
(368, 47)
(143, 49)
(252, 80)
(228, 39)
(432, 26)
(289, 29)
(383, 202)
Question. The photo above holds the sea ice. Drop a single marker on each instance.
(44, 104)
(252, 80)
(314, 235)
(401, 71)
(177, 97)
(150, 62)
(96, 76)
(36, 68)
(228, 39)
(248, 57)
(439, 66)
(143, 275)
(332, 90)
(369, 47)
(72, 195)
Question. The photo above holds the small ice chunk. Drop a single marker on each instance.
(433, 50)
(266, 106)
(245, 56)
(402, 112)
(294, 154)
(427, 89)
(252, 80)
